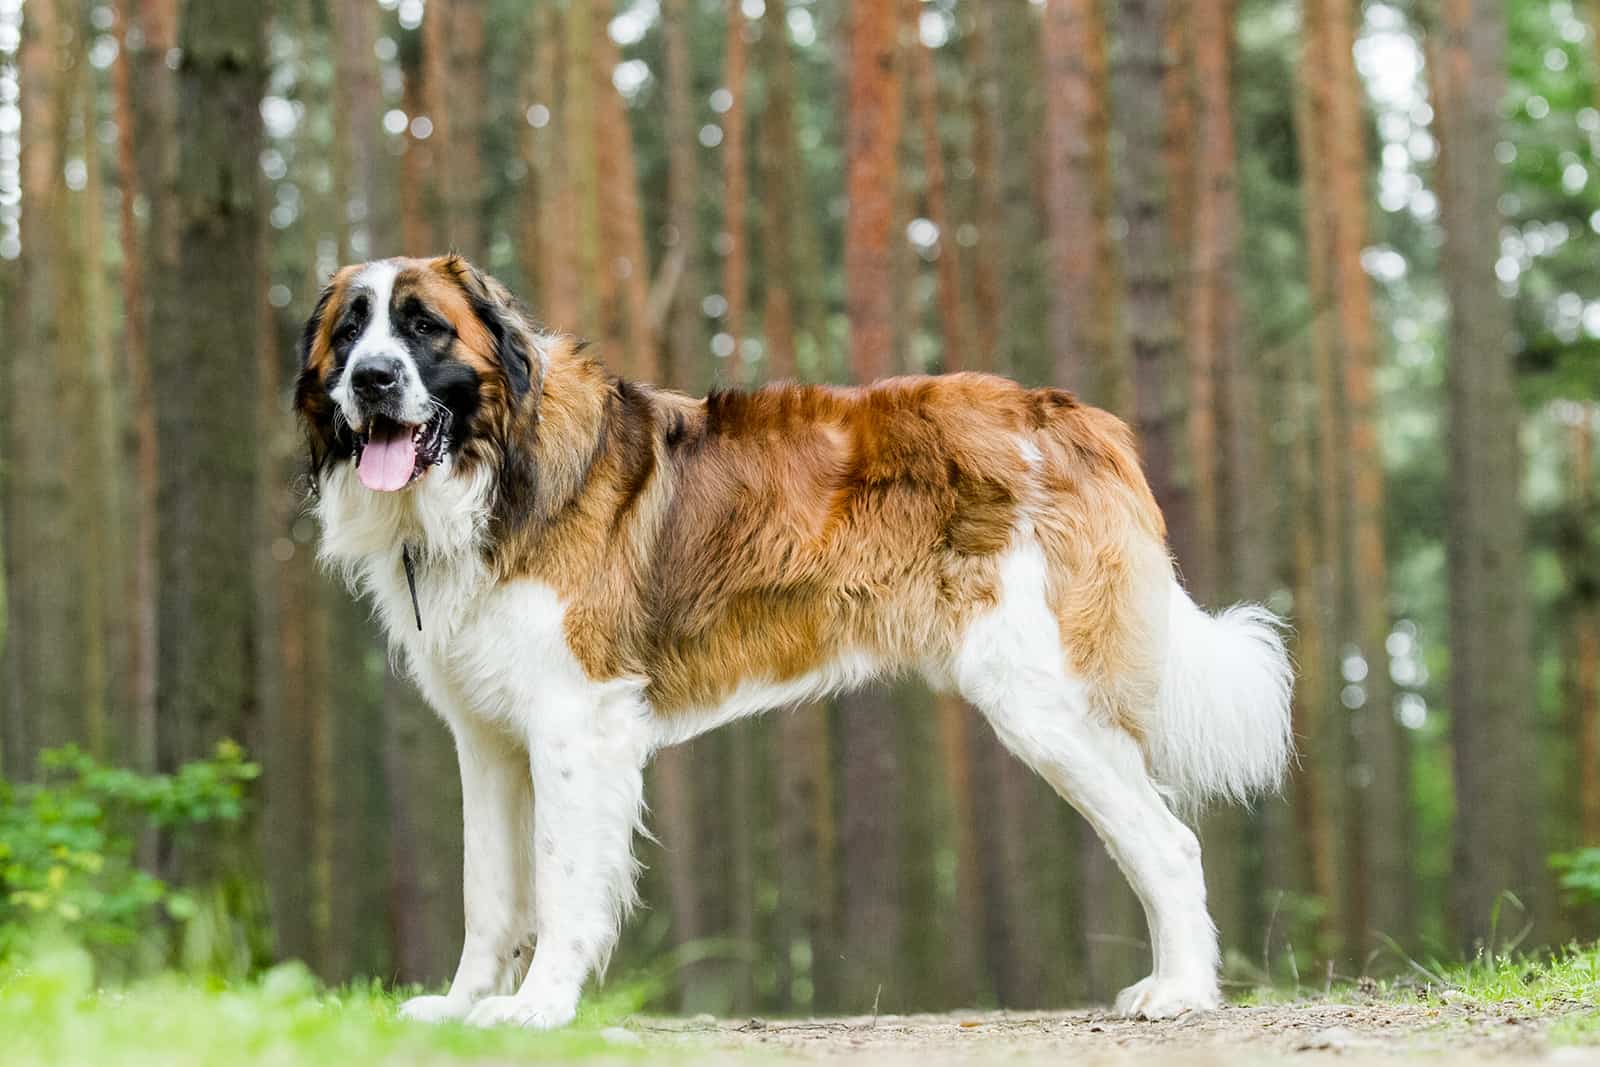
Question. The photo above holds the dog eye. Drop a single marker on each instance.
(422, 327)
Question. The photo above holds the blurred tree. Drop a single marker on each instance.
(733, 242)
(44, 685)
(1378, 808)
(630, 322)
(1151, 316)
(870, 840)
(205, 337)
(141, 135)
(1490, 677)
(1084, 305)
(1583, 656)
(686, 329)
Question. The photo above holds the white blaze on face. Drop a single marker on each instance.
(389, 451)
(379, 341)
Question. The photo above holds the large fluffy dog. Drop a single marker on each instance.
(580, 569)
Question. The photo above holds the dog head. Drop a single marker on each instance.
(406, 363)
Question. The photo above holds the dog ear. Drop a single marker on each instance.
(503, 315)
(311, 398)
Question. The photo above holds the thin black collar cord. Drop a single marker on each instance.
(411, 580)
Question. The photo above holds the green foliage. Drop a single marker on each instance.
(51, 1013)
(1579, 872)
(68, 843)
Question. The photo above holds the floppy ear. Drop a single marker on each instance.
(505, 319)
(311, 400)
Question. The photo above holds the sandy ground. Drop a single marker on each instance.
(1347, 1033)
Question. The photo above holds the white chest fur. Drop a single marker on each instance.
(494, 650)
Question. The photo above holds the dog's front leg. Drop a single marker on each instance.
(497, 872)
(588, 762)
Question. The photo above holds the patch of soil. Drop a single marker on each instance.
(1350, 1032)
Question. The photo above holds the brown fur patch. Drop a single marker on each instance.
(755, 536)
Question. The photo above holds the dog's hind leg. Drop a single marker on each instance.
(497, 875)
(588, 761)
(1011, 664)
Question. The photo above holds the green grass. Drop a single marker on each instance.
(51, 1014)
(1565, 981)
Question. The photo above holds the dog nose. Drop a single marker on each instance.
(375, 378)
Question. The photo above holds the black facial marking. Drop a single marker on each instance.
(427, 337)
(510, 348)
(328, 439)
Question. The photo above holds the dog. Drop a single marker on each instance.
(578, 569)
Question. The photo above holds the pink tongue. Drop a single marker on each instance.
(387, 464)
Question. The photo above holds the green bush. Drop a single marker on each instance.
(68, 845)
(1580, 874)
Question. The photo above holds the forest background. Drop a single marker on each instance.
(1334, 261)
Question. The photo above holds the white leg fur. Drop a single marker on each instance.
(1012, 665)
(497, 873)
(587, 747)
(588, 771)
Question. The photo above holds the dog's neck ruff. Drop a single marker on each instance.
(418, 552)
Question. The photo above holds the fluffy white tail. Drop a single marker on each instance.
(1222, 730)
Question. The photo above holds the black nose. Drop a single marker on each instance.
(375, 378)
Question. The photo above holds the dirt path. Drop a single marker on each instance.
(1348, 1033)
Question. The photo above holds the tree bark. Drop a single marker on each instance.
(1151, 312)
(989, 207)
(1340, 803)
(205, 337)
(1382, 743)
(953, 340)
(44, 692)
(135, 128)
(1583, 657)
(871, 843)
(686, 324)
(735, 266)
(623, 221)
(1491, 690)
(466, 99)
(1078, 170)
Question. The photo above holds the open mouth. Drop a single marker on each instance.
(391, 455)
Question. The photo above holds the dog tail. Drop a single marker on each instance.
(1222, 728)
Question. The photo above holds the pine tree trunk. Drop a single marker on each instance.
(466, 99)
(558, 223)
(735, 266)
(1197, 93)
(44, 706)
(1491, 683)
(1583, 661)
(989, 209)
(95, 481)
(952, 328)
(582, 253)
(205, 338)
(686, 326)
(623, 222)
(138, 97)
(1332, 747)
(778, 197)
(1078, 169)
(871, 775)
(1382, 743)
(1151, 312)
(424, 803)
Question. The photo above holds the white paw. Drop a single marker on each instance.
(520, 1011)
(434, 1009)
(1151, 998)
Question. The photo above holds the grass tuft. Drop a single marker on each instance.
(51, 1014)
